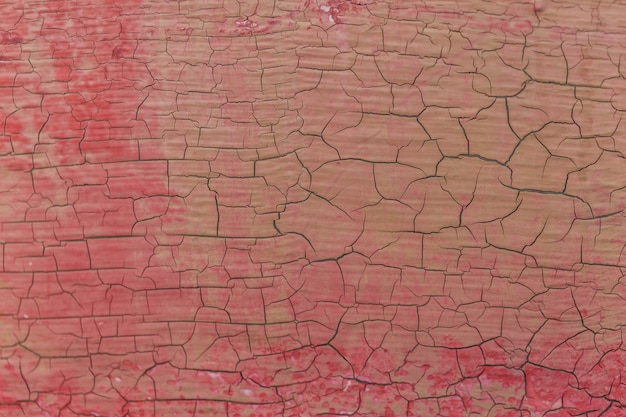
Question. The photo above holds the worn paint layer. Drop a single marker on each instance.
(312, 208)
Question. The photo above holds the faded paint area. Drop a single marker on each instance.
(307, 207)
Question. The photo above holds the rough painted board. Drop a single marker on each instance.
(312, 208)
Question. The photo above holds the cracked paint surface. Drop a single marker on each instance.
(312, 208)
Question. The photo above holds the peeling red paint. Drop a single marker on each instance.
(311, 208)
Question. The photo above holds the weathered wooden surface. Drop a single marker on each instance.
(302, 208)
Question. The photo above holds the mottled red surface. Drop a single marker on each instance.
(312, 208)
